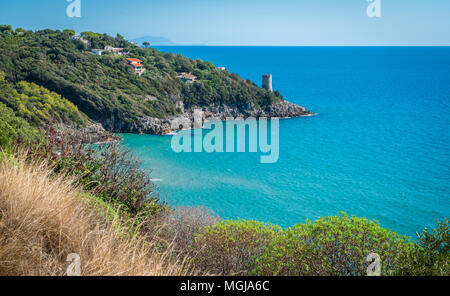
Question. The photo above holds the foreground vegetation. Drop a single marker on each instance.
(48, 213)
(44, 219)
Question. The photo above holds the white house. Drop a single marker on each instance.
(97, 51)
(115, 50)
(187, 77)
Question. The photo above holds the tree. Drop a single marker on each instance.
(69, 32)
(6, 28)
(120, 37)
(431, 254)
(231, 247)
(90, 35)
(146, 44)
(332, 246)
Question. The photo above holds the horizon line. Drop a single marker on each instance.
(275, 45)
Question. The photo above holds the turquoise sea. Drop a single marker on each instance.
(379, 146)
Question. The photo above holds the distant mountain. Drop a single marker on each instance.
(153, 40)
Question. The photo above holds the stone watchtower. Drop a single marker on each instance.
(267, 82)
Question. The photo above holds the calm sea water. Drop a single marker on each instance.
(379, 146)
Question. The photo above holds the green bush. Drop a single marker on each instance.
(430, 256)
(14, 129)
(335, 246)
(37, 105)
(109, 171)
(231, 247)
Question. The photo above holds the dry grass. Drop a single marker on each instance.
(44, 219)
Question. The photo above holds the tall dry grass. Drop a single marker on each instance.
(43, 219)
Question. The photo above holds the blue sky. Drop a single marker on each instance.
(245, 22)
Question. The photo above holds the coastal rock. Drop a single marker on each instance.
(195, 117)
(91, 134)
(287, 109)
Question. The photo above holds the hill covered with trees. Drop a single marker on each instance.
(105, 87)
(26, 108)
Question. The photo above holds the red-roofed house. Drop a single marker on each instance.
(138, 67)
(133, 60)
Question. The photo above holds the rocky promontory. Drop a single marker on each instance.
(157, 126)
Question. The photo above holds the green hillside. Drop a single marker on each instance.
(25, 108)
(38, 105)
(105, 87)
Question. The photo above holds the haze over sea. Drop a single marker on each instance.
(379, 146)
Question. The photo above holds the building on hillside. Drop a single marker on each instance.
(138, 67)
(115, 50)
(98, 51)
(133, 61)
(267, 82)
(221, 68)
(187, 77)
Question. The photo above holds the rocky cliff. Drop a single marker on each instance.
(156, 126)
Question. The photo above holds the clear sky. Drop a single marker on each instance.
(245, 22)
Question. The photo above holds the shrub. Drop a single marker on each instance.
(231, 247)
(430, 256)
(37, 105)
(15, 129)
(177, 227)
(331, 246)
(43, 219)
(109, 171)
